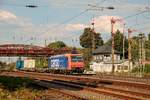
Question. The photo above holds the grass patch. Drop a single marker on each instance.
(15, 88)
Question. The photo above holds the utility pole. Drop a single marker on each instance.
(45, 42)
(113, 43)
(123, 51)
(129, 47)
(96, 8)
(113, 21)
(93, 34)
(141, 52)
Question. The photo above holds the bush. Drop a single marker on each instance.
(13, 83)
(147, 68)
(138, 69)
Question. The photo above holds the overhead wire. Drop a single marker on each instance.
(136, 14)
(127, 17)
(139, 29)
(142, 12)
(81, 13)
(75, 16)
(62, 23)
(68, 20)
(147, 17)
(72, 18)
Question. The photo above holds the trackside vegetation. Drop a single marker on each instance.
(145, 69)
(15, 88)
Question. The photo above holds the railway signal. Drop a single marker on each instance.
(123, 51)
(113, 21)
(93, 34)
(129, 46)
(141, 52)
(96, 8)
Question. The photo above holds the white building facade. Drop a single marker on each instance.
(102, 61)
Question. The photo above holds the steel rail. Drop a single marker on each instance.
(85, 86)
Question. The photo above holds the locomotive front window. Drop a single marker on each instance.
(76, 59)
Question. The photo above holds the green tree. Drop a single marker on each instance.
(135, 48)
(87, 37)
(147, 47)
(57, 45)
(87, 56)
(149, 36)
(41, 62)
(118, 39)
(86, 42)
(119, 42)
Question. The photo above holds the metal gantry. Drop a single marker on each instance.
(141, 53)
(123, 50)
(113, 21)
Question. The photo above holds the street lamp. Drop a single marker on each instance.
(31, 6)
(95, 7)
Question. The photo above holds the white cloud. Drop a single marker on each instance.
(6, 16)
(103, 23)
(71, 3)
(25, 27)
(75, 27)
(9, 18)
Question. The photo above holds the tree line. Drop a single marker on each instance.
(86, 44)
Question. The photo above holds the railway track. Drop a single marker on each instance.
(107, 90)
(128, 95)
(46, 84)
(88, 80)
(92, 84)
(126, 78)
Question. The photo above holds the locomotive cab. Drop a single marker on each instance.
(76, 63)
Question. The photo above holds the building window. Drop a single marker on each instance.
(125, 67)
(106, 55)
(119, 67)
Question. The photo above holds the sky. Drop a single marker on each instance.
(65, 20)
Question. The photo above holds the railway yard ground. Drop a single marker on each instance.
(45, 86)
(74, 49)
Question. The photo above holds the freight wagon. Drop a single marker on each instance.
(19, 64)
(72, 63)
(25, 64)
